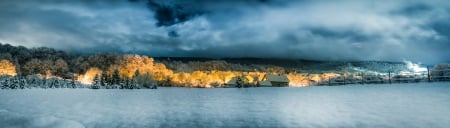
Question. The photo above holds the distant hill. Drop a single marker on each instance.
(302, 65)
(79, 63)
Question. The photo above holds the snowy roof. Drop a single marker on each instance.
(276, 78)
(265, 83)
(235, 79)
(232, 81)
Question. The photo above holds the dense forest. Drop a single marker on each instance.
(114, 70)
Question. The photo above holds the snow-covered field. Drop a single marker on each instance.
(421, 105)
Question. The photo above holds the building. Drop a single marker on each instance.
(271, 80)
(440, 72)
(264, 84)
(235, 82)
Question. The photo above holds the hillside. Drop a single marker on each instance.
(299, 65)
(178, 71)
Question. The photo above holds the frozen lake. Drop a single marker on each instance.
(398, 105)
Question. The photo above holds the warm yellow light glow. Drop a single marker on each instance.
(298, 80)
(88, 77)
(129, 64)
(7, 68)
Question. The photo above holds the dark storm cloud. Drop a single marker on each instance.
(321, 30)
(170, 12)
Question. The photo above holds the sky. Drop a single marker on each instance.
(386, 30)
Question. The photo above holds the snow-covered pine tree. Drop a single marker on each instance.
(33, 81)
(52, 84)
(23, 83)
(125, 83)
(108, 81)
(30, 81)
(122, 85)
(134, 84)
(56, 83)
(1, 83)
(64, 83)
(128, 84)
(72, 82)
(96, 82)
(44, 83)
(116, 77)
(5, 83)
(67, 83)
(15, 83)
(103, 79)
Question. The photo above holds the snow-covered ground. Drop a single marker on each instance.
(398, 105)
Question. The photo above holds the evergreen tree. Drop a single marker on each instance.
(122, 84)
(44, 83)
(127, 83)
(5, 84)
(134, 84)
(107, 80)
(64, 84)
(110, 80)
(103, 79)
(116, 77)
(32, 81)
(22, 83)
(96, 84)
(52, 84)
(16, 63)
(136, 73)
(72, 83)
(15, 83)
(145, 80)
(56, 83)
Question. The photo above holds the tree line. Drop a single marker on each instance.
(111, 70)
(35, 81)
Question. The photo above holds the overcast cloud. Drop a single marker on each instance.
(322, 30)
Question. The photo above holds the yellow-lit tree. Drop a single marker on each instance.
(88, 77)
(296, 79)
(7, 68)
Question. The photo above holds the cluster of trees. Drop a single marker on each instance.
(99, 81)
(109, 70)
(115, 81)
(36, 81)
(7, 68)
(221, 65)
(51, 62)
